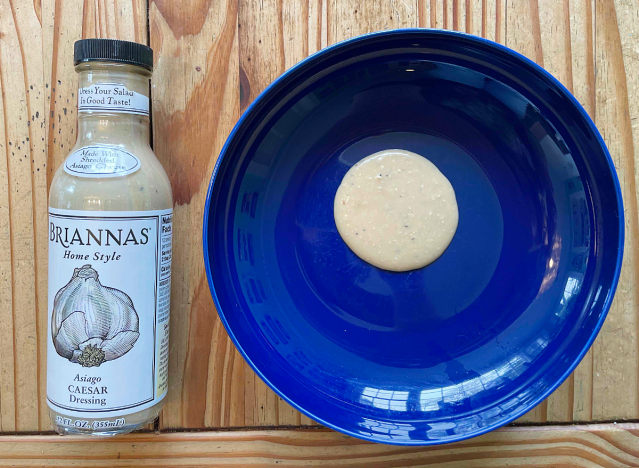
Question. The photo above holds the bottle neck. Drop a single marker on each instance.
(112, 129)
(113, 103)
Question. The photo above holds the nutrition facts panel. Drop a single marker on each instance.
(164, 302)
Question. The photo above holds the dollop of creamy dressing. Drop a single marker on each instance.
(396, 210)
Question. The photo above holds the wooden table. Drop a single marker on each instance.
(212, 59)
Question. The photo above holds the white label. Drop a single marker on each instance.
(113, 98)
(96, 161)
(109, 292)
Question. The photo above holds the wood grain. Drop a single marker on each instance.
(212, 59)
(74, 20)
(37, 81)
(615, 352)
(585, 446)
(582, 29)
(196, 101)
(23, 107)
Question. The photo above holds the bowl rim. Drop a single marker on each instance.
(430, 32)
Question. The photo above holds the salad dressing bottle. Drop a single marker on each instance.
(110, 235)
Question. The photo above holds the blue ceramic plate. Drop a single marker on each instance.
(475, 339)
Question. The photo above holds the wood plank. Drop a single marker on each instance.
(627, 19)
(524, 30)
(581, 446)
(437, 14)
(582, 46)
(317, 25)
(273, 36)
(556, 55)
(424, 13)
(355, 17)
(561, 36)
(474, 17)
(7, 369)
(628, 25)
(196, 101)
(615, 353)
(287, 415)
(27, 19)
(21, 80)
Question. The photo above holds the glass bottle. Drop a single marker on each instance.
(110, 234)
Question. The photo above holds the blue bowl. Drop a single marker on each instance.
(487, 331)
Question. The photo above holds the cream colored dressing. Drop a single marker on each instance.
(146, 189)
(396, 210)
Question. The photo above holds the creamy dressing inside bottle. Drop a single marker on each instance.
(110, 234)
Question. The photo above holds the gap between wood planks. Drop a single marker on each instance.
(628, 425)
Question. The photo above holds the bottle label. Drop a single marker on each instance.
(97, 161)
(109, 294)
(112, 98)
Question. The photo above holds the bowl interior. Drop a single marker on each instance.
(468, 342)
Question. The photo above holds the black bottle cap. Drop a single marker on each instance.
(113, 50)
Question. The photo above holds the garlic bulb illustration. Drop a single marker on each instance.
(92, 323)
